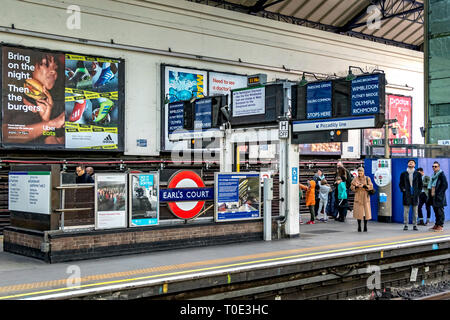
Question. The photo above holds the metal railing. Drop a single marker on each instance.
(63, 210)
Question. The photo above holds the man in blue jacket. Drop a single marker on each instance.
(411, 186)
(438, 185)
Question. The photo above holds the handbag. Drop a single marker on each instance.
(371, 192)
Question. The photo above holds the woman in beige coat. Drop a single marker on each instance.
(361, 208)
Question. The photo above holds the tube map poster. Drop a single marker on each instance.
(56, 100)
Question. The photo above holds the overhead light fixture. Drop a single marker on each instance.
(399, 87)
(304, 82)
(351, 76)
(377, 70)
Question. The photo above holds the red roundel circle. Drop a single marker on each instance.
(186, 209)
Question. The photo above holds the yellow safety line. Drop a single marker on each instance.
(217, 267)
(193, 264)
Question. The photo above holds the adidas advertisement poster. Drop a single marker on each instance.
(32, 98)
(92, 102)
(57, 100)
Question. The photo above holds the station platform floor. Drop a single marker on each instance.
(27, 278)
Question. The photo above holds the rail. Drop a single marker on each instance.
(63, 210)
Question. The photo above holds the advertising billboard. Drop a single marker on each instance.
(110, 200)
(223, 83)
(144, 202)
(238, 196)
(400, 108)
(180, 84)
(64, 101)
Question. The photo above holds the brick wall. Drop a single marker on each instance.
(72, 246)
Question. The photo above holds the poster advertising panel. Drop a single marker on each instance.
(400, 108)
(29, 191)
(329, 148)
(57, 100)
(110, 200)
(33, 98)
(180, 84)
(238, 196)
(144, 202)
(92, 102)
(223, 83)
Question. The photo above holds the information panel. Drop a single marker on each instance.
(249, 102)
(110, 200)
(144, 204)
(238, 196)
(318, 100)
(29, 192)
(365, 95)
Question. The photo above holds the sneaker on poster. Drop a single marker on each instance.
(106, 76)
(78, 110)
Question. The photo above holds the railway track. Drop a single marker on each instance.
(438, 296)
(348, 281)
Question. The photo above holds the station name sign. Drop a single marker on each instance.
(187, 194)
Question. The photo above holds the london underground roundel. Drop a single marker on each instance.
(186, 194)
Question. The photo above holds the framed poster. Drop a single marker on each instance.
(61, 101)
(180, 84)
(238, 196)
(144, 199)
(110, 200)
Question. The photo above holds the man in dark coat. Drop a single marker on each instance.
(411, 186)
(82, 176)
(438, 185)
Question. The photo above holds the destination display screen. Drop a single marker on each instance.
(319, 100)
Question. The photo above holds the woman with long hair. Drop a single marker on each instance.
(361, 185)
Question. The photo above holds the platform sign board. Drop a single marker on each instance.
(175, 116)
(319, 100)
(29, 191)
(249, 101)
(238, 196)
(257, 105)
(366, 95)
(110, 200)
(339, 104)
(144, 199)
(203, 114)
